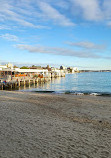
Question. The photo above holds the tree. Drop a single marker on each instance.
(33, 65)
(15, 66)
(24, 67)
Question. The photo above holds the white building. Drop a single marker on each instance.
(38, 71)
(8, 69)
(57, 73)
(62, 67)
(72, 69)
(9, 65)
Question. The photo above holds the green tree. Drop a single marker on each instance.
(15, 66)
(24, 67)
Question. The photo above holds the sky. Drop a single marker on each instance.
(56, 32)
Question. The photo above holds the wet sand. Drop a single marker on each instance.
(36, 125)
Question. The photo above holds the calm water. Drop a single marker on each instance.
(89, 82)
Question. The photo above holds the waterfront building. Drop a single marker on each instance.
(72, 69)
(63, 67)
(8, 72)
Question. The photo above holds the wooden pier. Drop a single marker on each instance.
(26, 78)
(24, 82)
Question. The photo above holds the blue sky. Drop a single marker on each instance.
(58, 32)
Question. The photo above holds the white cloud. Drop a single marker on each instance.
(37, 14)
(28, 12)
(109, 23)
(62, 4)
(53, 14)
(89, 9)
(92, 10)
(87, 45)
(9, 37)
(3, 27)
(107, 8)
(57, 51)
(31, 13)
(9, 11)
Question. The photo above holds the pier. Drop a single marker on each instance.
(12, 77)
(24, 82)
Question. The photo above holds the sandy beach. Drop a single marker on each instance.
(34, 125)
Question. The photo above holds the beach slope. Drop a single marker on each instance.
(34, 125)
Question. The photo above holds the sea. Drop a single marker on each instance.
(86, 83)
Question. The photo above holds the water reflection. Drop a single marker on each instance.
(56, 84)
(78, 82)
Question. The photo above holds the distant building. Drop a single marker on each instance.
(62, 67)
(48, 67)
(9, 65)
(3, 66)
(6, 70)
(72, 69)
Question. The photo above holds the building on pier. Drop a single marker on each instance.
(72, 69)
(8, 72)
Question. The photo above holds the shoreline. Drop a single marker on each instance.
(78, 93)
(104, 94)
(45, 125)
